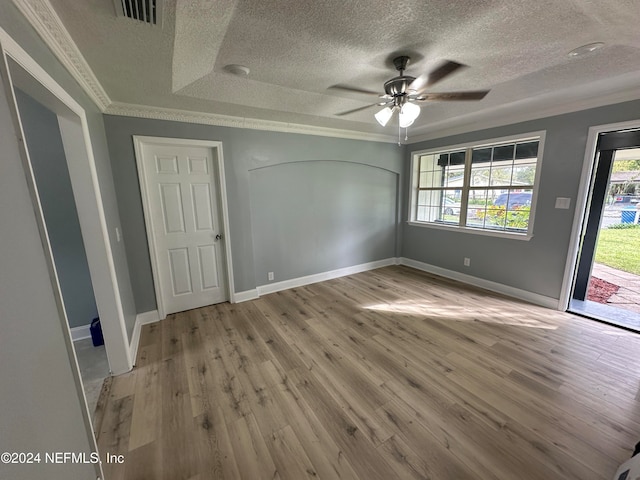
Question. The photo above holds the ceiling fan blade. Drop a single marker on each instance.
(349, 112)
(347, 88)
(453, 96)
(429, 79)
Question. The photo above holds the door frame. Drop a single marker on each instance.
(582, 201)
(139, 141)
(81, 163)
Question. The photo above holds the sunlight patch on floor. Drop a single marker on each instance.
(456, 313)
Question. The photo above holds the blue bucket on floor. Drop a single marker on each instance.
(96, 332)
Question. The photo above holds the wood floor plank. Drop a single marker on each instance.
(322, 450)
(254, 459)
(113, 437)
(179, 458)
(289, 457)
(392, 373)
(217, 458)
(415, 450)
(354, 444)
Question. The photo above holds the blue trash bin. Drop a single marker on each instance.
(628, 215)
(96, 332)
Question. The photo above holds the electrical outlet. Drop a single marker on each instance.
(563, 203)
(118, 234)
(467, 261)
(270, 275)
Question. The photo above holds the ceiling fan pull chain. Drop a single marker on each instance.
(406, 134)
(399, 135)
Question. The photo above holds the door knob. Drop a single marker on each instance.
(218, 237)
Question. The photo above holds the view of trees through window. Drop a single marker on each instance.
(625, 178)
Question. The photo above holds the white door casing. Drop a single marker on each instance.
(183, 196)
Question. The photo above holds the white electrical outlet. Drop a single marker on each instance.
(118, 234)
(467, 261)
(270, 275)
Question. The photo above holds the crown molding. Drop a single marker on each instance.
(45, 21)
(598, 94)
(187, 116)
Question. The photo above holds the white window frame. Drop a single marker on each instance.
(413, 194)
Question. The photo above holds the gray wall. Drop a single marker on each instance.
(537, 265)
(43, 139)
(19, 29)
(247, 151)
(316, 216)
(41, 410)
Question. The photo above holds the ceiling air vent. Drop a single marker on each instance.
(146, 11)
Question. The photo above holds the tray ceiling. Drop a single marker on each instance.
(296, 49)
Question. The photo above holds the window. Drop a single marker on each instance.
(488, 187)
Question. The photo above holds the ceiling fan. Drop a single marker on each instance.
(403, 92)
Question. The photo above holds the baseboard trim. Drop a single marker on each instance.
(530, 297)
(245, 296)
(81, 332)
(141, 319)
(321, 277)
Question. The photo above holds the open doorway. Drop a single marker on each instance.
(49, 165)
(20, 72)
(607, 281)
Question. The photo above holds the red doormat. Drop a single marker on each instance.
(600, 290)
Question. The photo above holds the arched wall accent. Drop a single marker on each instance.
(316, 216)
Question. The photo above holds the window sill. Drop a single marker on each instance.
(473, 231)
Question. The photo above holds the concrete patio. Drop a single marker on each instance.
(628, 295)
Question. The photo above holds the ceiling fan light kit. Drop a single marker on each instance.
(408, 114)
(384, 115)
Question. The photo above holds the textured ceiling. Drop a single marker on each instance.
(296, 49)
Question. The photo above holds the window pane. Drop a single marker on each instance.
(443, 159)
(527, 150)
(431, 179)
(438, 206)
(453, 158)
(422, 183)
(454, 176)
(426, 163)
(430, 213)
(495, 216)
(476, 208)
(480, 175)
(423, 197)
(515, 206)
(421, 214)
(457, 158)
(501, 174)
(450, 208)
(503, 152)
(481, 155)
(524, 174)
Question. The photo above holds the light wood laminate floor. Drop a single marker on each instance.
(388, 374)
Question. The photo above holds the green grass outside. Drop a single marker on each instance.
(619, 248)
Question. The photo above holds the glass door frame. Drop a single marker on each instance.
(582, 202)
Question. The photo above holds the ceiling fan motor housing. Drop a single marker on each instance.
(397, 88)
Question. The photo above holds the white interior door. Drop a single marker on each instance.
(183, 209)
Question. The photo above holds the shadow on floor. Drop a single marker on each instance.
(606, 313)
